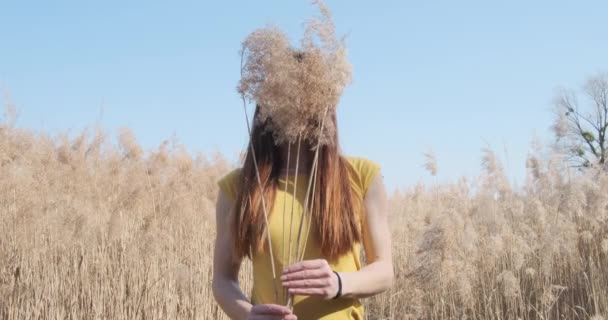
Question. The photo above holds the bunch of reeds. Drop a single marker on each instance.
(297, 90)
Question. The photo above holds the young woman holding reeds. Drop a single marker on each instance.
(348, 208)
(298, 208)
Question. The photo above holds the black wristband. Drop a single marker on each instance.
(339, 286)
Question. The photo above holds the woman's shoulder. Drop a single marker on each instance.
(362, 163)
(229, 182)
(363, 171)
(232, 174)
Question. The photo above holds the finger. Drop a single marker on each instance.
(308, 283)
(265, 317)
(321, 292)
(270, 309)
(307, 264)
(290, 317)
(306, 274)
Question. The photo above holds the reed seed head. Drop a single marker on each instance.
(296, 89)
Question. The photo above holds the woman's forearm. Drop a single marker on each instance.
(370, 280)
(231, 299)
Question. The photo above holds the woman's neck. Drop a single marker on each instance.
(304, 159)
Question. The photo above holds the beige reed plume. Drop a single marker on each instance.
(293, 86)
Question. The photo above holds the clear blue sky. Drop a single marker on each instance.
(448, 75)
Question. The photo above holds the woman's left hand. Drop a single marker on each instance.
(311, 278)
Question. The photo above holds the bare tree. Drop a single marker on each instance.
(580, 131)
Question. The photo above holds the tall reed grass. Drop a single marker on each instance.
(91, 229)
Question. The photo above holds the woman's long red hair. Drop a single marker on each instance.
(334, 210)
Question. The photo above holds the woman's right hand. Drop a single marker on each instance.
(270, 312)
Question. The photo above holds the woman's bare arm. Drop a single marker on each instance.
(377, 275)
(226, 288)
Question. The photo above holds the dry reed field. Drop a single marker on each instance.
(91, 229)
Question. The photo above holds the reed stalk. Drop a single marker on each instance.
(259, 180)
(293, 202)
(313, 176)
(284, 293)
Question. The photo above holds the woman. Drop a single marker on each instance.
(349, 208)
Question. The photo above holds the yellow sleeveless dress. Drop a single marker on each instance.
(362, 171)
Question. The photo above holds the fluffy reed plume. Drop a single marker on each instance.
(561, 125)
(295, 86)
(509, 284)
(130, 148)
(494, 174)
(430, 163)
